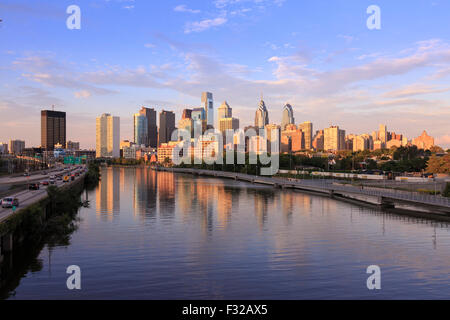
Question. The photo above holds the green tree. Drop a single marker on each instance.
(439, 164)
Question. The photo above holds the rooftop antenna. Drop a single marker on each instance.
(53, 107)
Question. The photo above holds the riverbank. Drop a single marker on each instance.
(49, 212)
(389, 201)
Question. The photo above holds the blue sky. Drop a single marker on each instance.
(317, 55)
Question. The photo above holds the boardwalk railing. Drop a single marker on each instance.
(326, 185)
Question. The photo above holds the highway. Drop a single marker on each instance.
(15, 179)
(28, 197)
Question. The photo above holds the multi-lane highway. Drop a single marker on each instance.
(28, 197)
(17, 179)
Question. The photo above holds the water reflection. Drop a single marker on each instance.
(173, 236)
(108, 195)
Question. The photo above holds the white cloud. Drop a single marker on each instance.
(184, 8)
(83, 94)
(199, 26)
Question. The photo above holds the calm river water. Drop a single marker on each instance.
(150, 235)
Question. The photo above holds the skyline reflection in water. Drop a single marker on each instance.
(158, 235)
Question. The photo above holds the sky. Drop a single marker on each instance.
(319, 56)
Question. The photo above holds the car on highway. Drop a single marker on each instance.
(45, 183)
(33, 186)
(52, 181)
(10, 202)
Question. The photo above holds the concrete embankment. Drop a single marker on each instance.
(436, 208)
(33, 216)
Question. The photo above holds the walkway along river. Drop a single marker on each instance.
(428, 206)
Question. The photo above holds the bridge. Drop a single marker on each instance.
(387, 198)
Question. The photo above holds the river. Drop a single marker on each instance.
(158, 235)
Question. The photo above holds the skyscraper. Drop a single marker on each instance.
(261, 116)
(108, 136)
(16, 146)
(228, 124)
(307, 129)
(187, 114)
(140, 129)
(53, 129)
(166, 126)
(288, 116)
(225, 111)
(382, 134)
(208, 105)
(334, 139)
(152, 128)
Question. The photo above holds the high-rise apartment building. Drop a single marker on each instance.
(273, 135)
(334, 139)
(53, 129)
(292, 139)
(152, 128)
(307, 128)
(361, 142)
(16, 146)
(108, 136)
(166, 126)
(208, 105)
(318, 141)
(288, 116)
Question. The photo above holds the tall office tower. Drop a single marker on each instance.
(166, 126)
(53, 129)
(186, 124)
(224, 111)
(187, 114)
(307, 128)
(108, 136)
(261, 116)
(152, 128)
(208, 105)
(140, 129)
(16, 146)
(228, 124)
(199, 118)
(334, 139)
(198, 114)
(288, 116)
(382, 134)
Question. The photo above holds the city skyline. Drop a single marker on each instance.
(334, 73)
